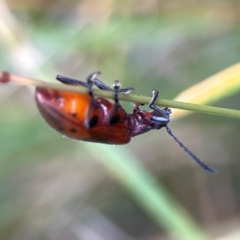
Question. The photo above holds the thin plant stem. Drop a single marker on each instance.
(130, 97)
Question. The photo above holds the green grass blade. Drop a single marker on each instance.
(149, 193)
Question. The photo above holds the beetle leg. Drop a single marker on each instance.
(90, 82)
(75, 82)
(126, 90)
(71, 81)
(105, 87)
(101, 85)
(164, 111)
(116, 88)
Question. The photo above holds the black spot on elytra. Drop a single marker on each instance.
(115, 119)
(73, 130)
(74, 115)
(93, 121)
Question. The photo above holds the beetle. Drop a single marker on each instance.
(84, 117)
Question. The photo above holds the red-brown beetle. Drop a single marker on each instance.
(84, 117)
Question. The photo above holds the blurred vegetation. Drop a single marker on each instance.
(56, 188)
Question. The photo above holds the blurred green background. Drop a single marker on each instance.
(56, 188)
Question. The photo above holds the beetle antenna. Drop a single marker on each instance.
(195, 158)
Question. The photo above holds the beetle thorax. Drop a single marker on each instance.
(143, 121)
